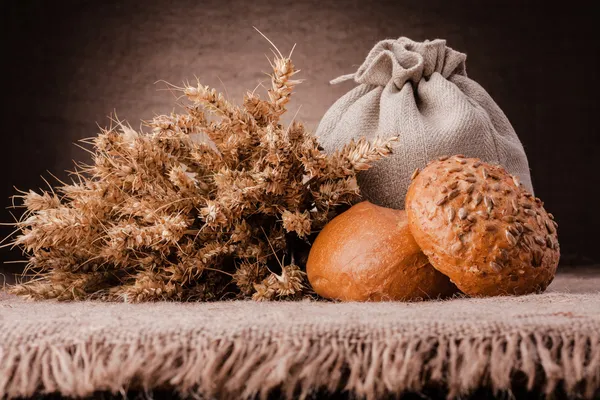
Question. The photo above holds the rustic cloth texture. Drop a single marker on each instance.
(420, 92)
(243, 349)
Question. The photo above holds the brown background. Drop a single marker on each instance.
(67, 65)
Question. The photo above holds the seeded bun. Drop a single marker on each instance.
(368, 254)
(478, 226)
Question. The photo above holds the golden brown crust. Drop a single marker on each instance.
(480, 227)
(368, 254)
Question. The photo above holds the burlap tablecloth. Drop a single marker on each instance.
(244, 349)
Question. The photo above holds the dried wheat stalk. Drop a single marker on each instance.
(166, 215)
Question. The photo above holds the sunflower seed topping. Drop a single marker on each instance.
(516, 181)
(455, 169)
(462, 161)
(489, 203)
(478, 199)
(519, 227)
(483, 214)
(443, 158)
(453, 185)
(414, 174)
(470, 188)
(495, 266)
(549, 242)
(441, 201)
(550, 227)
(537, 257)
(453, 194)
(451, 215)
(529, 212)
(551, 216)
(476, 164)
(485, 174)
(508, 218)
(539, 240)
(527, 227)
(462, 213)
(538, 219)
(511, 238)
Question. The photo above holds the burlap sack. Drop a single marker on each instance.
(419, 92)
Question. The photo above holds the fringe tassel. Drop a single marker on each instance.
(240, 367)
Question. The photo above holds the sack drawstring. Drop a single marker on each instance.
(341, 79)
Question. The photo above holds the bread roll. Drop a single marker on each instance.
(368, 254)
(478, 226)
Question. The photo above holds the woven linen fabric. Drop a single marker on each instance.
(246, 349)
(419, 92)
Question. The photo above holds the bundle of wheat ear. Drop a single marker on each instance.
(195, 207)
